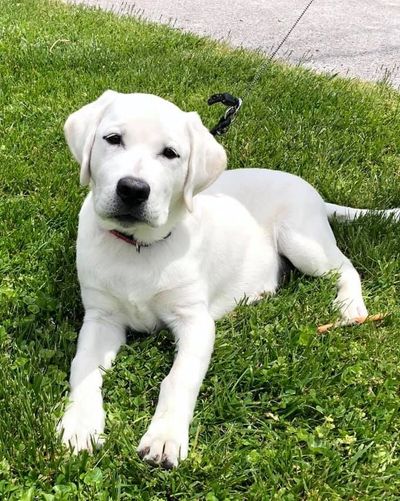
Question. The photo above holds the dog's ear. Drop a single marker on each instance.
(80, 129)
(207, 159)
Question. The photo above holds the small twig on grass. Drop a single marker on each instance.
(357, 321)
(60, 40)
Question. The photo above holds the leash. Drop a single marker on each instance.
(234, 103)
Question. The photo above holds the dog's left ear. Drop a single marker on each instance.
(80, 129)
(207, 159)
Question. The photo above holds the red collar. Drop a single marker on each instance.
(132, 241)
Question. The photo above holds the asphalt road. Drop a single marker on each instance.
(355, 38)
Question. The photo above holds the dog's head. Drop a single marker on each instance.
(144, 158)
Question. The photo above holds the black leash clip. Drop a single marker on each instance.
(225, 121)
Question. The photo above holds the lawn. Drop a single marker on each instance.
(284, 413)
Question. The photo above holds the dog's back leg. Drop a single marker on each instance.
(311, 247)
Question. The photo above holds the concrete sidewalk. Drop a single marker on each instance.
(357, 38)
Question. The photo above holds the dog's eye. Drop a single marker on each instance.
(113, 138)
(169, 153)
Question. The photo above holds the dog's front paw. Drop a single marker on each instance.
(352, 311)
(81, 427)
(165, 443)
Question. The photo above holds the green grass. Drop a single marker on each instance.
(283, 413)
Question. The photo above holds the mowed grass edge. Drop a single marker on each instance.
(283, 413)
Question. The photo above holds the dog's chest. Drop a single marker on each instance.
(134, 297)
(140, 316)
(125, 291)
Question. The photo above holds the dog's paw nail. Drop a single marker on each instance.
(143, 452)
(166, 463)
(153, 460)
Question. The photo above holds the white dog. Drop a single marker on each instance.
(152, 253)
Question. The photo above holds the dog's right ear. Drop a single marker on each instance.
(80, 129)
(207, 159)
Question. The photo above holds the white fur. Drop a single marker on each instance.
(224, 245)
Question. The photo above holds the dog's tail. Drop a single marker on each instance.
(343, 213)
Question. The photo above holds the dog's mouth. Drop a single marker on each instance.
(128, 219)
(123, 221)
(125, 216)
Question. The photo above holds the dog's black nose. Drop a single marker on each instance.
(133, 191)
